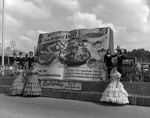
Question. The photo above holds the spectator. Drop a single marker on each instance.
(15, 60)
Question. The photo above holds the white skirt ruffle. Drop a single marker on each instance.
(115, 94)
(32, 87)
(17, 86)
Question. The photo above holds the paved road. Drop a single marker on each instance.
(40, 107)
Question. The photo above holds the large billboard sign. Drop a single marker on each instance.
(77, 54)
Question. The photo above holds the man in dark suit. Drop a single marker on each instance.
(20, 60)
(31, 60)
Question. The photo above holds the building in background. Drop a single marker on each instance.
(9, 53)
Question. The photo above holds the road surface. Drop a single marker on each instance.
(42, 107)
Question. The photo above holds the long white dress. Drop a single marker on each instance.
(114, 92)
(18, 85)
(32, 87)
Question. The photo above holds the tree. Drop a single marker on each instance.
(140, 54)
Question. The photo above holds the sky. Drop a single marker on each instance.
(26, 19)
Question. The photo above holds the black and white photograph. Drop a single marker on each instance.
(74, 58)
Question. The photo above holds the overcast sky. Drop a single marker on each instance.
(26, 19)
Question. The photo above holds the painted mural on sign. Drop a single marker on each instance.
(76, 54)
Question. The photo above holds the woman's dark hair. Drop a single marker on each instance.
(30, 52)
(108, 51)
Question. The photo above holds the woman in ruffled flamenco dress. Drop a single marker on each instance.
(115, 91)
(18, 85)
(32, 87)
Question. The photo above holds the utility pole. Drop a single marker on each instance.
(3, 4)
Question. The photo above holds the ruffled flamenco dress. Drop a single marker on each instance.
(114, 92)
(18, 85)
(32, 87)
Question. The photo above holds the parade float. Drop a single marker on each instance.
(70, 66)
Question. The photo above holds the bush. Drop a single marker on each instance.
(146, 76)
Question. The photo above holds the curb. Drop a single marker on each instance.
(4, 89)
(83, 96)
